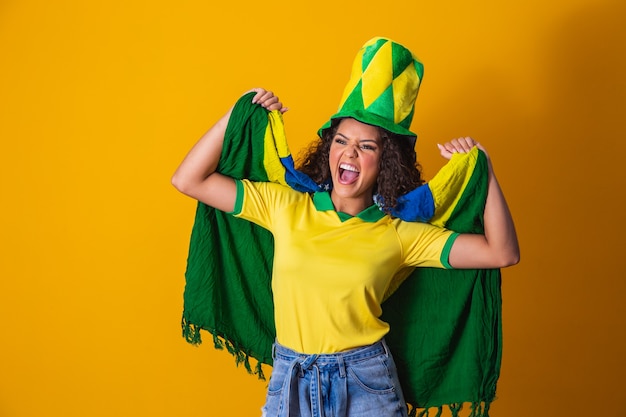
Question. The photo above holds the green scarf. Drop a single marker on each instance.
(445, 324)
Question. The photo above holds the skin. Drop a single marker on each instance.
(357, 145)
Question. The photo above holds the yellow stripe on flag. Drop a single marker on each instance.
(275, 147)
(448, 185)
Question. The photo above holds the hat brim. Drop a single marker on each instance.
(370, 119)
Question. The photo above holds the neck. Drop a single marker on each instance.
(351, 206)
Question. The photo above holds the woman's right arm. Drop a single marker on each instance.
(196, 175)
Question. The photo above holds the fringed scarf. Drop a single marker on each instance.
(445, 324)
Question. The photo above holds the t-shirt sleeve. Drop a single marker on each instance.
(259, 202)
(425, 245)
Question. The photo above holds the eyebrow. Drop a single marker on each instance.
(362, 140)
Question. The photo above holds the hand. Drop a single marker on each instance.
(267, 100)
(460, 145)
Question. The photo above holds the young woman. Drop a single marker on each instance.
(335, 254)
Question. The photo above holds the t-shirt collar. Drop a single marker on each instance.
(323, 202)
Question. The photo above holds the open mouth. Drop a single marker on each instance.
(348, 173)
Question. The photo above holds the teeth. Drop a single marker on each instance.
(348, 167)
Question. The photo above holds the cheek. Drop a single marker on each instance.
(333, 156)
(373, 164)
(331, 160)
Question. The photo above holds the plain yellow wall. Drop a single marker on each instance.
(99, 101)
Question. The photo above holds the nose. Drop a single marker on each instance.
(351, 152)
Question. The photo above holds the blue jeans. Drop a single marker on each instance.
(361, 382)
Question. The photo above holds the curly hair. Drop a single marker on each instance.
(399, 170)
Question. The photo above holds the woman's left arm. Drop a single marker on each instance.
(498, 247)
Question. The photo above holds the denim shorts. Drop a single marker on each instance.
(361, 382)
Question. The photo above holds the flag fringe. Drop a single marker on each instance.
(192, 334)
(476, 409)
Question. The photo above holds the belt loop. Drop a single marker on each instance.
(342, 366)
(387, 354)
(274, 351)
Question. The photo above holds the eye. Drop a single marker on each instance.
(368, 147)
(340, 140)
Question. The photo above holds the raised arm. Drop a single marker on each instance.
(196, 175)
(498, 247)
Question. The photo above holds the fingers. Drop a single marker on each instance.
(458, 145)
(262, 96)
(267, 100)
(444, 152)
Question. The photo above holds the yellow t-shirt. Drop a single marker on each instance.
(331, 270)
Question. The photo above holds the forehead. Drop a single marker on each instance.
(353, 129)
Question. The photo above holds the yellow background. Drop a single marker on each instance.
(99, 101)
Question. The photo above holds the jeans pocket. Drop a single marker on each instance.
(277, 379)
(372, 375)
(272, 406)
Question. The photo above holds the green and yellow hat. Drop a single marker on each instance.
(383, 87)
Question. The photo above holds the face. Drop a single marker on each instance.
(354, 160)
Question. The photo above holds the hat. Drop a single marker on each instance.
(383, 87)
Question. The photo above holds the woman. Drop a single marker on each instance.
(355, 154)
